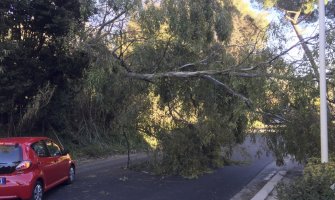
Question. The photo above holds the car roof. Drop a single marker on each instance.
(21, 140)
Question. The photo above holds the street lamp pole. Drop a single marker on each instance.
(323, 89)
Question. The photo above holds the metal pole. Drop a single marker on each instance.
(323, 89)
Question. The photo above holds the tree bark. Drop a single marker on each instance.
(306, 50)
(293, 17)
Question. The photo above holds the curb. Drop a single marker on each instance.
(257, 182)
(263, 184)
(269, 186)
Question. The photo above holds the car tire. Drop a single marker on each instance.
(72, 173)
(37, 191)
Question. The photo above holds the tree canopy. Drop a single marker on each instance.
(38, 64)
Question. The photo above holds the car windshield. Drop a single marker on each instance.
(10, 154)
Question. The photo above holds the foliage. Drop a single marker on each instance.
(293, 94)
(66, 67)
(297, 102)
(35, 36)
(315, 183)
(190, 137)
(306, 6)
(192, 150)
(192, 119)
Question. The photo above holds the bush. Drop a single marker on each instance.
(314, 185)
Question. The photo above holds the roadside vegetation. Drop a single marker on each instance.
(181, 79)
(317, 183)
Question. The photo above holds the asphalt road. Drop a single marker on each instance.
(105, 179)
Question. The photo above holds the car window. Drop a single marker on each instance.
(40, 149)
(53, 148)
(10, 157)
(10, 153)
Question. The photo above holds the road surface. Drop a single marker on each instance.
(106, 180)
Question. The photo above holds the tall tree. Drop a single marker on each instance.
(299, 96)
(198, 98)
(174, 72)
(38, 65)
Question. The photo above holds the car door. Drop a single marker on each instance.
(46, 163)
(61, 162)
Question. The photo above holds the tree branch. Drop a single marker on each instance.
(203, 74)
(175, 74)
(247, 101)
(306, 50)
(116, 17)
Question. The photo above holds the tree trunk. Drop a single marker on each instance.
(306, 50)
(128, 147)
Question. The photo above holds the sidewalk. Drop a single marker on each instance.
(262, 187)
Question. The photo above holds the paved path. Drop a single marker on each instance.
(105, 179)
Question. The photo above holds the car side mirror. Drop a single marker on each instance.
(65, 152)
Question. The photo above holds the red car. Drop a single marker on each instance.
(29, 166)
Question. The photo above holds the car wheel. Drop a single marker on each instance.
(38, 191)
(72, 174)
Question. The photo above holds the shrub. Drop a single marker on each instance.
(314, 185)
